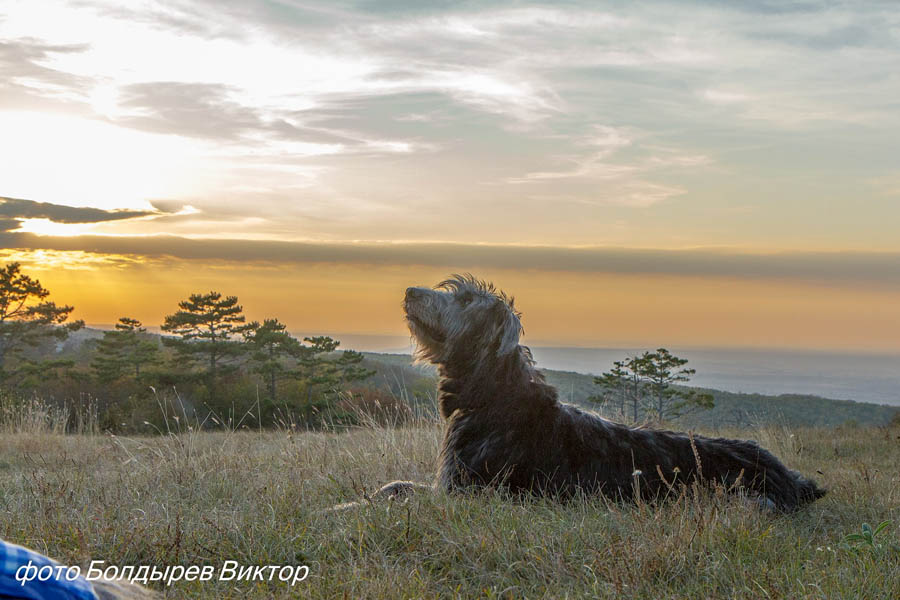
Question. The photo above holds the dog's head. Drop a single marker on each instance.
(462, 314)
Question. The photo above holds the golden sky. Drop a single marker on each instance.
(638, 175)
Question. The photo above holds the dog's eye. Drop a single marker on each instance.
(466, 300)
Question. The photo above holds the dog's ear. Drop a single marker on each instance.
(509, 333)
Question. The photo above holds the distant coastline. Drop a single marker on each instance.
(862, 377)
(838, 375)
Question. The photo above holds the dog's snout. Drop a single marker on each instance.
(414, 293)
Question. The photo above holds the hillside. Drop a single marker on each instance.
(415, 384)
(731, 409)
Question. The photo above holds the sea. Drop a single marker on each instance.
(838, 375)
(863, 377)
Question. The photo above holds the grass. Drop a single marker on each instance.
(197, 498)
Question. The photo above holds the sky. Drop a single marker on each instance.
(635, 174)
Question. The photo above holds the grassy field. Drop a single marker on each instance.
(257, 498)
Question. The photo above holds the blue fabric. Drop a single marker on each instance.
(13, 557)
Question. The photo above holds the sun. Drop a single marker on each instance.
(76, 161)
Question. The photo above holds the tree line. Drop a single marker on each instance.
(217, 362)
(222, 366)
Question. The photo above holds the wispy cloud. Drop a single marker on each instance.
(616, 181)
(27, 81)
(724, 96)
(590, 163)
(887, 184)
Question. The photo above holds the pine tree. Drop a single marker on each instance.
(646, 383)
(269, 345)
(349, 369)
(207, 325)
(614, 386)
(662, 370)
(319, 370)
(26, 317)
(314, 368)
(124, 349)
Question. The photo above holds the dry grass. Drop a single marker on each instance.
(34, 415)
(202, 498)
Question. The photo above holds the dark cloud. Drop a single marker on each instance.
(836, 268)
(15, 209)
(9, 224)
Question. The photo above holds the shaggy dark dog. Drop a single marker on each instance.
(506, 427)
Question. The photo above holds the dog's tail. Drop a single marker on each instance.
(808, 491)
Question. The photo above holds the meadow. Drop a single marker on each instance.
(199, 497)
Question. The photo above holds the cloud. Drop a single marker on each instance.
(598, 147)
(317, 112)
(190, 109)
(210, 112)
(24, 58)
(9, 224)
(613, 180)
(26, 81)
(168, 206)
(833, 268)
(179, 17)
(16, 209)
(724, 97)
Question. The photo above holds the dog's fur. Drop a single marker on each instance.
(506, 427)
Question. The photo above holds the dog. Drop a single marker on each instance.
(505, 426)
